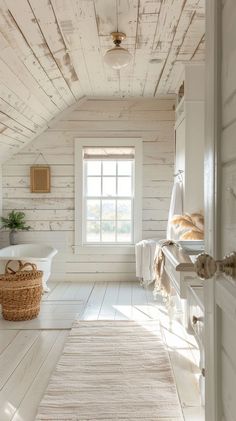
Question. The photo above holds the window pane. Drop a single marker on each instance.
(123, 209)
(109, 186)
(94, 167)
(109, 210)
(108, 231)
(94, 186)
(124, 186)
(124, 231)
(109, 167)
(124, 167)
(93, 209)
(93, 231)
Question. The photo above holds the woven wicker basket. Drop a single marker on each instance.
(21, 292)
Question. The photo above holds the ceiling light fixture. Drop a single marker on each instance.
(117, 57)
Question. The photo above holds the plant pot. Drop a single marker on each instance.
(12, 238)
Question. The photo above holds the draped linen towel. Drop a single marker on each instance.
(162, 281)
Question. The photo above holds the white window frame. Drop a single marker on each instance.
(114, 198)
(80, 143)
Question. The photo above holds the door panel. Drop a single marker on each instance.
(228, 141)
(228, 227)
(228, 340)
(220, 207)
(228, 19)
(228, 365)
(225, 292)
(227, 387)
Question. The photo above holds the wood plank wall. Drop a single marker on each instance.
(52, 215)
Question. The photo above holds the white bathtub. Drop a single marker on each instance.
(39, 254)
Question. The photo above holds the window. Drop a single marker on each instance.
(108, 192)
(108, 204)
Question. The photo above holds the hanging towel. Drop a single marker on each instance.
(149, 247)
(176, 208)
(138, 259)
(144, 258)
(162, 281)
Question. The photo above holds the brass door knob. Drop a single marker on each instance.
(206, 267)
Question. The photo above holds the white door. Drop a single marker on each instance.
(220, 209)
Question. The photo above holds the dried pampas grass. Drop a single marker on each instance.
(191, 224)
(192, 235)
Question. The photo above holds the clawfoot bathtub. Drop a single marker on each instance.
(39, 254)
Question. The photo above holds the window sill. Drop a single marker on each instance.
(103, 249)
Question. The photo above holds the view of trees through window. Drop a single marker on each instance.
(108, 186)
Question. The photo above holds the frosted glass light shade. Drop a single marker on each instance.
(117, 57)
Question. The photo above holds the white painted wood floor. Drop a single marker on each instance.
(30, 350)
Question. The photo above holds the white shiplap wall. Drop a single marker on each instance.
(52, 215)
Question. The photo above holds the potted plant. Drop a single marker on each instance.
(14, 222)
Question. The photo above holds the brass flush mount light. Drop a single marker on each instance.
(117, 57)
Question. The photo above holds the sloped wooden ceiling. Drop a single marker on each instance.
(51, 55)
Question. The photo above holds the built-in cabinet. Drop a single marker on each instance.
(189, 136)
(196, 326)
(186, 300)
(186, 287)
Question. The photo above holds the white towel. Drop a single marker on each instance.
(144, 253)
(176, 208)
(138, 259)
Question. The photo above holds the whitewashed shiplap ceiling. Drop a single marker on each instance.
(51, 55)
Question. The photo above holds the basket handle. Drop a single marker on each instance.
(32, 265)
(21, 267)
(10, 270)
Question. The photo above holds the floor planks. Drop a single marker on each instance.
(30, 350)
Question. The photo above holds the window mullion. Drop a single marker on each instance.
(133, 198)
(84, 204)
(116, 225)
(101, 201)
(132, 216)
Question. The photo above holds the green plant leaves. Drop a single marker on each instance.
(15, 221)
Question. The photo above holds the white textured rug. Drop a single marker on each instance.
(112, 370)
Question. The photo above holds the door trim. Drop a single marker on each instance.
(212, 125)
(212, 193)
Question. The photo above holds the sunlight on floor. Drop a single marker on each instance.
(9, 409)
(174, 335)
(93, 301)
(133, 312)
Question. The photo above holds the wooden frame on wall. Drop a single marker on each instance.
(40, 176)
